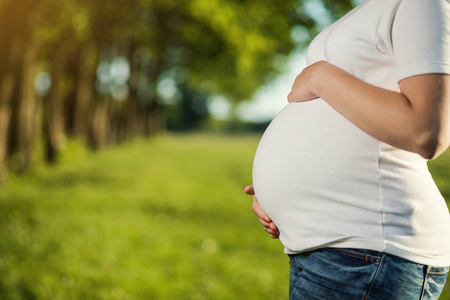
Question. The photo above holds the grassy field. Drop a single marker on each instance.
(158, 219)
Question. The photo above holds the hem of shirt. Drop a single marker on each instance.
(388, 248)
(356, 243)
(428, 259)
(422, 68)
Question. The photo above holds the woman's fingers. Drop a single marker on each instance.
(274, 227)
(271, 231)
(259, 211)
(264, 223)
(270, 228)
(263, 218)
(301, 89)
(273, 234)
(268, 225)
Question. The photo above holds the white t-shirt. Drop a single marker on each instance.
(325, 182)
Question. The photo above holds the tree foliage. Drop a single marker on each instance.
(105, 70)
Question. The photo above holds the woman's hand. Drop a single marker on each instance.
(303, 87)
(263, 218)
(415, 119)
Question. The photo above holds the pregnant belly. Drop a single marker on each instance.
(309, 158)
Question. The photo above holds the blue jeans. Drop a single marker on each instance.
(347, 274)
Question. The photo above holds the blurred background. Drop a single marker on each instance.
(103, 72)
(127, 132)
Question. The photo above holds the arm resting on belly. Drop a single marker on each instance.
(416, 119)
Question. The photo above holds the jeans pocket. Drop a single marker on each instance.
(293, 264)
(439, 271)
(365, 255)
(435, 282)
(328, 274)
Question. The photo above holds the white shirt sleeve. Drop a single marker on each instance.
(421, 37)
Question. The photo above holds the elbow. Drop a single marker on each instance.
(428, 151)
(432, 146)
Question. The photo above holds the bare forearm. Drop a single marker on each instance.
(389, 116)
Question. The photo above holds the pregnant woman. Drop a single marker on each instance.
(340, 175)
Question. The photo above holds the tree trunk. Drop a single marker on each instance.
(54, 106)
(85, 90)
(27, 107)
(154, 119)
(99, 125)
(7, 84)
(132, 118)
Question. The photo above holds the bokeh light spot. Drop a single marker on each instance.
(209, 246)
(42, 83)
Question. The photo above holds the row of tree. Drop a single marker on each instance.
(103, 71)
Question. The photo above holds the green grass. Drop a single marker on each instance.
(158, 219)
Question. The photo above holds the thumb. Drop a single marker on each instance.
(249, 190)
(290, 97)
